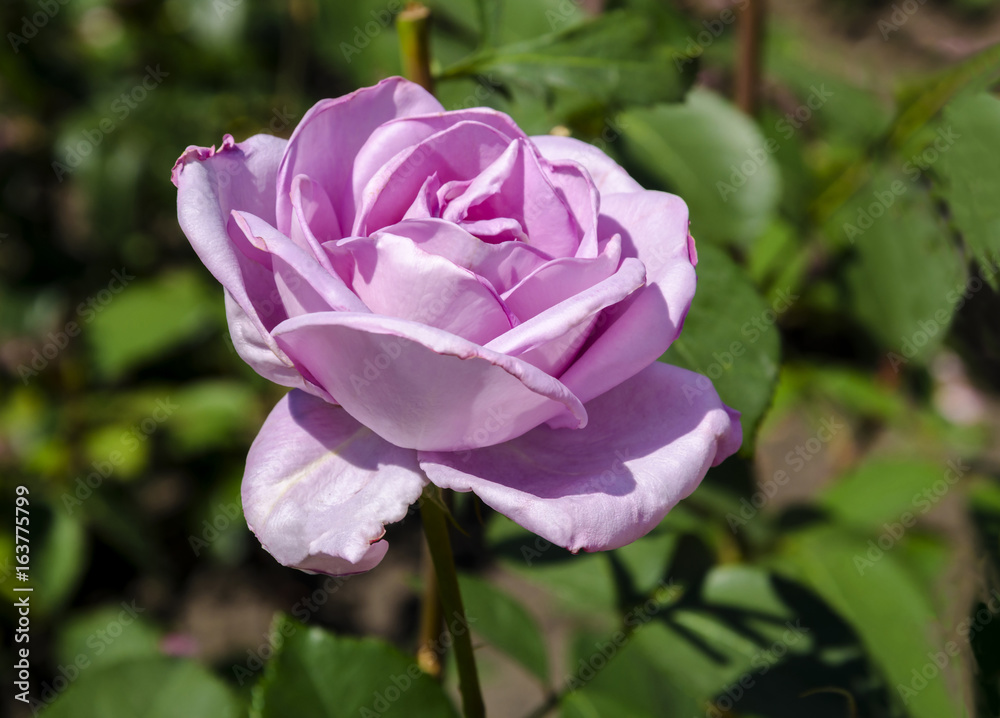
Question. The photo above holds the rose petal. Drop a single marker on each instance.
(327, 140)
(303, 284)
(607, 175)
(647, 446)
(319, 487)
(551, 339)
(561, 279)
(210, 186)
(263, 354)
(421, 387)
(315, 220)
(517, 185)
(394, 277)
(637, 332)
(397, 135)
(459, 152)
(502, 265)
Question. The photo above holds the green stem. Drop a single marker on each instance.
(435, 520)
(413, 27)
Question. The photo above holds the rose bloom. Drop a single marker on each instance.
(451, 301)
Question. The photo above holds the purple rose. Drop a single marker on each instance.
(455, 301)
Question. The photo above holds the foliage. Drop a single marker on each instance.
(848, 239)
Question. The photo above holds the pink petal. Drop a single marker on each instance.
(561, 279)
(648, 445)
(502, 265)
(394, 277)
(421, 387)
(517, 185)
(263, 354)
(397, 135)
(551, 339)
(607, 175)
(303, 284)
(319, 487)
(315, 221)
(327, 140)
(460, 152)
(634, 333)
(211, 185)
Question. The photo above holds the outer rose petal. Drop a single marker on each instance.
(422, 387)
(319, 487)
(327, 140)
(609, 177)
(647, 446)
(210, 186)
(264, 355)
(636, 332)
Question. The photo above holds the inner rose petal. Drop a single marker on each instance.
(503, 265)
(516, 186)
(395, 277)
(461, 152)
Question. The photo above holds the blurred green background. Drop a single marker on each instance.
(843, 564)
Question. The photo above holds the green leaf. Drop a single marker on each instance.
(60, 560)
(146, 688)
(729, 336)
(970, 170)
(748, 587)
(906, 277)
(885, 603)
(612, 58)
(148, 319)
(682, 662)
(885, 491)
(582, 583)
(505, 624)
(714, 157)
(648, 559)
(213, 413)
(107, 635)
(316, 674)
